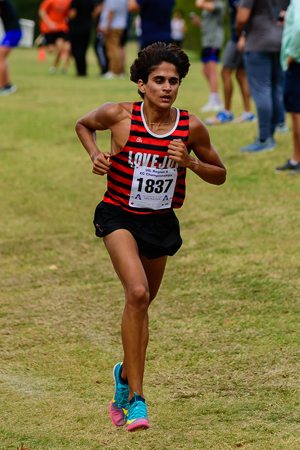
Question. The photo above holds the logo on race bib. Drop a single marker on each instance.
(138, 197)
(165, 198)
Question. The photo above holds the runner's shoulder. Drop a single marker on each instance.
(197, 129)
(196, 123)
(114, 113)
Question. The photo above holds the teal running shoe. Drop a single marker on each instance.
(119, 405)
(137, 415)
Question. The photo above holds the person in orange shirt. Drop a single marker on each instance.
(54, 26)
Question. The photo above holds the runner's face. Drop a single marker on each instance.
(162, 85)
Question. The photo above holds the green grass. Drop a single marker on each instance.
(223, 360)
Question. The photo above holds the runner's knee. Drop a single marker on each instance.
(138, 298)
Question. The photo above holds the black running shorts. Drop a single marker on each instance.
(51, 38)
(291, 90)
(156, 234)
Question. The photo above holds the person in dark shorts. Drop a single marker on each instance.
(290, 62)
(212, 39)
(9, 41)
(233, 61)
(146, 168)
(54, 26)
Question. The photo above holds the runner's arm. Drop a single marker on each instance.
(207, 164)
(100, 119)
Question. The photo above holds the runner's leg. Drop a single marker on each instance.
(154, 270)
(131, 268)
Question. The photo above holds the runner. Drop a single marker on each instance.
(9, 41)
(146, 167)
(54, 26)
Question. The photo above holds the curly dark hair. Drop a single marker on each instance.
(152, 56)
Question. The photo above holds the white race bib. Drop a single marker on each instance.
(152, 188)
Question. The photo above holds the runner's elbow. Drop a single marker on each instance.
(222, 177)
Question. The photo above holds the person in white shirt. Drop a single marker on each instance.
(178, 28)
(113, 21)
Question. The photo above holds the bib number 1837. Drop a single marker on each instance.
(156, 186)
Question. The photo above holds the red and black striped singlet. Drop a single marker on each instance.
(147, 149)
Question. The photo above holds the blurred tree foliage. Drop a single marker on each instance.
(28, 9)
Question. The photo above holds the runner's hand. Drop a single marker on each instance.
(102, 164)
(178, 152)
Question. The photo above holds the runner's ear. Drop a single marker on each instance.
(141, 86)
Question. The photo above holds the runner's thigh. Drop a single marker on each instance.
(124, 253)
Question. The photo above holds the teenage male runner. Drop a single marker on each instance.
(151, 143)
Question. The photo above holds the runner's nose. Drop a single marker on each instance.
(167, 86)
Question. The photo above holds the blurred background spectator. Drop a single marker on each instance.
(9, 41)
(54, 26)
(178, 28)
(264, 73)
(124, 40)
(155, 20)
(80, 24)
(99, 41)
(290, 61)
(233, 60)
(113, 22)
(212, 40)
(137, 23)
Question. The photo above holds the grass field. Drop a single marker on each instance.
(223, 359)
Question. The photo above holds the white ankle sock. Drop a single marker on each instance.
(214, 97)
